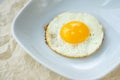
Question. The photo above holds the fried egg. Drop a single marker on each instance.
(74, 34)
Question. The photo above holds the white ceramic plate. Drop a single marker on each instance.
(1, 1)
(28, 30)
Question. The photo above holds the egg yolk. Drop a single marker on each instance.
(74, 32)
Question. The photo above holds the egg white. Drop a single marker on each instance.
(85, 48)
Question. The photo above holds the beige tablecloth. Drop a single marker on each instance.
(15, 63)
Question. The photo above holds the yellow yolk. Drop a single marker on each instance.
(74, 32)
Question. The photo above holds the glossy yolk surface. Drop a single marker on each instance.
(74, 32)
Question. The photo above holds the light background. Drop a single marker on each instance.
(15, 63)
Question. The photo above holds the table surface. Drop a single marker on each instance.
(15, 63)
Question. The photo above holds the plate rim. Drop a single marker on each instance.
(47, 66)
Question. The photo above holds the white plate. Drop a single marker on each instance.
(28, 30)
(1, 1)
